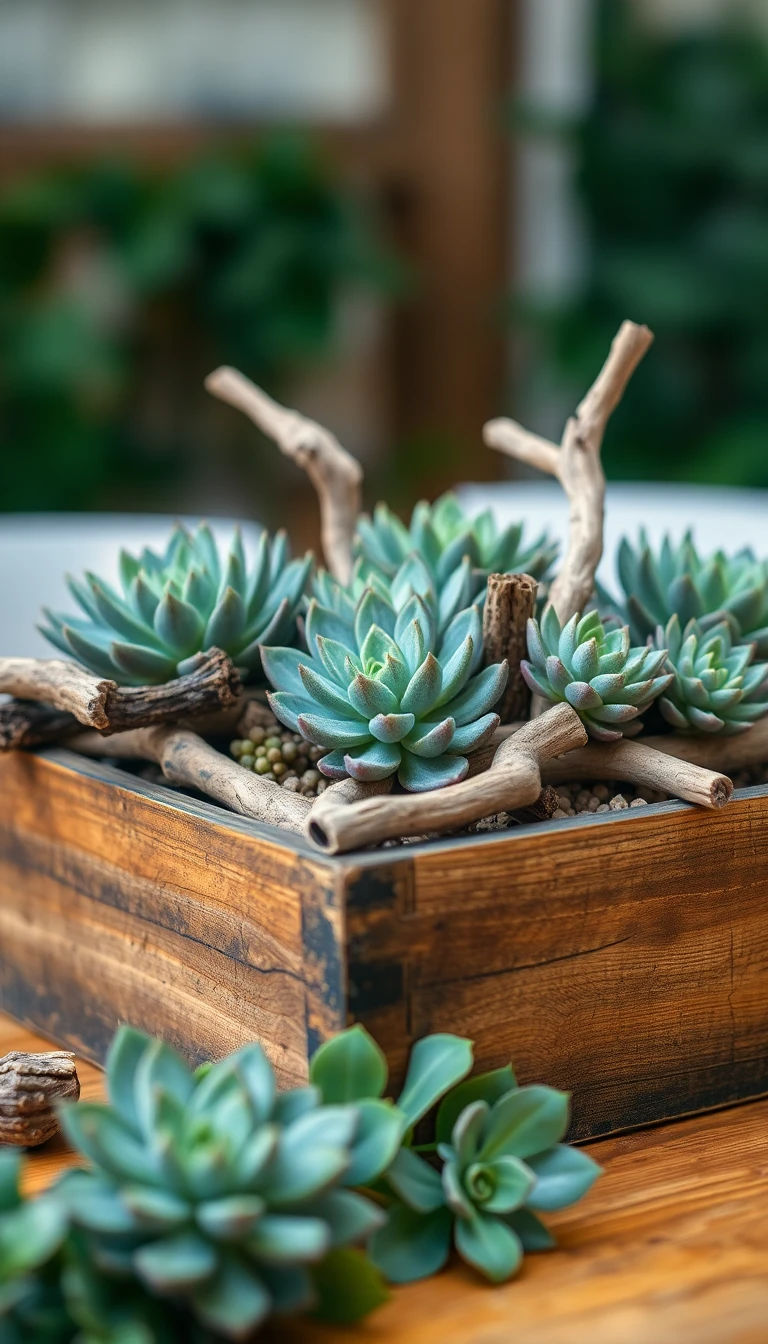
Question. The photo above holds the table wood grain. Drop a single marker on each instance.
(670, 1245)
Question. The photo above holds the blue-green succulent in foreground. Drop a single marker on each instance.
(496, 1163)
(383, 693)
(174, 606)
(716, 686)
(608, 683)
(444, 536)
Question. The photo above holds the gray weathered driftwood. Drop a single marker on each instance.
(30, 1087)
(576, 465)
(335, 474)
(512, 782)
(101, 704)
(510, 601)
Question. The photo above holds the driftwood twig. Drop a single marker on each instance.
(510, 601)
(26, 723)
(335, 474)
(513, 782)
(30, 1087)
(576, 465)
(638, 762)
(186, 759)
(213, 685)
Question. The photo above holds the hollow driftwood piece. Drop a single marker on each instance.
(576, 465)
(336, 475)
(513, 781)
(94, 702)
(187, 760)
(510, 601)
(30, 1087)
(643, 763)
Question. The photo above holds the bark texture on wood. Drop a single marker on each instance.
(25, 723)
(187, 760)
(641, 763)
(214, 684)
(513, 781)
(335, 474)
(576, 465)
(510, 601)
(30, 1087)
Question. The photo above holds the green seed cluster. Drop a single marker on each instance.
(287, 758)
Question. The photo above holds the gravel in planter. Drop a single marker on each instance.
(270, 750)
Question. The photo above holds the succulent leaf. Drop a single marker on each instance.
(608, 683)
(715, 687)
(179, 604)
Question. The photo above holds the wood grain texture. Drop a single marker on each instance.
(118, 906)
(669, 1246)
(624, 957)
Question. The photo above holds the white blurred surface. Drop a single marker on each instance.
(36, 551)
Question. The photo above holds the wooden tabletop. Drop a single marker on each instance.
(670, 1246)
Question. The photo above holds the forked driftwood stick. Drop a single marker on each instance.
(98, 703)
(576, 465)
(335, 474)
(641, 763)
(30, 1087)
(513, 782)
(186, 759)
(510, 601)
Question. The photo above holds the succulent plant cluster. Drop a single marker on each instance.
(497, 1161)
(175, 606)
(385, 694)
(211, 1201)
(447, 540)
(716, 686)
(596, 671)
(677, 581)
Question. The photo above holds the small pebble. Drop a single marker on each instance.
(639, 802)
(603, 808)
(257, 735)
(564, 801)
(618, 804)
(558, 814)
(601, 792)
(247, 761)
(262, 766)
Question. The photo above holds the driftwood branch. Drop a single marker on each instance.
(716, 752)
(30, 1087)
(186, 759)
(513, 782)
(644, 763)
(510, 601)
(213, 685)
(335, 474)
(24, 723)
(577, 466)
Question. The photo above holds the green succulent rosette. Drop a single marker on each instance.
(447, 540)
(412, 576)
(595, 670)
(716, 686)
(502, 1165)
(384, 695)
(214, 1192)
(677, 581)
(175, 606)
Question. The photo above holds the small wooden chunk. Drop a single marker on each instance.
(510, 601)
(30, 1087)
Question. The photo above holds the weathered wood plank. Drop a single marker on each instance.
(116, 906)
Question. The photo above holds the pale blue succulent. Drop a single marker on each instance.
(596, 671)
(443, 536)
(716, 686)
(382, 693)
(677, 581)
(174, 606)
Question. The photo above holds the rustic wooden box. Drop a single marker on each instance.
(622, 957)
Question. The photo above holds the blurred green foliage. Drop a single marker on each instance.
(673, 177)
(110, 271)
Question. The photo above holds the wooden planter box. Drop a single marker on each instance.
(622, 957)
